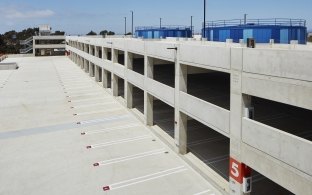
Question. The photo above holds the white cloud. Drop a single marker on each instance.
(16, 14)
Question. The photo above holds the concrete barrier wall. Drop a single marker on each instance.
(136, 79)
(160, 91)
(292, 92)
(213, 116)
(291, 64)
(288, 148)
(8, 66)
(216, 57)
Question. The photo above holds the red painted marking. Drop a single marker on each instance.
(96, 164)
(239, 170)
(89, 147)
(106, 188)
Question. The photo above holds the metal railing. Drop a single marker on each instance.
(257, 22)
(166, 27)
(25, 42)
(26, 50)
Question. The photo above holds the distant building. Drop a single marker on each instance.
(45, 44)
(157, 32)
(262, 30)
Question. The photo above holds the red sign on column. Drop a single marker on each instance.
(239, 170)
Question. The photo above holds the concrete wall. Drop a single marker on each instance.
(281, 74)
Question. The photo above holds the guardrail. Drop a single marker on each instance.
(167, 27)
(26, 50)
(263, 22)
(25, 42)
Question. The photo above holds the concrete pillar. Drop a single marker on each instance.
(104, 78)
(86, 66)
(128, 86)
(148, 99)
(81, 63)
(148, 109)
(104, 53)
(91, 69)
(97, 73)
(180, 118)
(115, 55)
(238, 105)
(115, 85)
(96, 51)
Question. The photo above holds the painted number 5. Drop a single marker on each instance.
(234, 170)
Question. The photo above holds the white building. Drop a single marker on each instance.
(45, 44)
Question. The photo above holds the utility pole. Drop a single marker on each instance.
(192, 26)
(204, 33)
(160, 22)
(132, 23)
(125, 25)
(245, 19)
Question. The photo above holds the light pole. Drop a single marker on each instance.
(204, 33)
(125, 25)
(192, 26)
(245, 19)
(160, 22)
(132, 23)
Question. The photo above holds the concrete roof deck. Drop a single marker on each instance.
(46, 104)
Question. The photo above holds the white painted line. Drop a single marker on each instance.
(105, 119)
(86, 94)
(98, 104)
(81, 87)
(112, 129)
(146, 178)
(97, 112)
(203, 192)
(76, 92)
(131, 157)
(90, 99)
(100, 145)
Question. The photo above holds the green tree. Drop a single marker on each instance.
(92, 33)
(104, 32)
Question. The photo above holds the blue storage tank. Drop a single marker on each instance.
(262, 30)
(150, 32)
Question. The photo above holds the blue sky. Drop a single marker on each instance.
(79, 17)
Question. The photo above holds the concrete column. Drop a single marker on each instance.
(148, 99)
(128, 86)
(148, 109)
(180, 118)
(238, 105)
(86, 66)
(104, 78)
(97, 73)
(115, 55)
(90, 49)
(104, 54)
(115, 85)
(91, 69)
(96, 51)
(81, 63)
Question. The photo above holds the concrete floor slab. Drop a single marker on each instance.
(42, 149)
